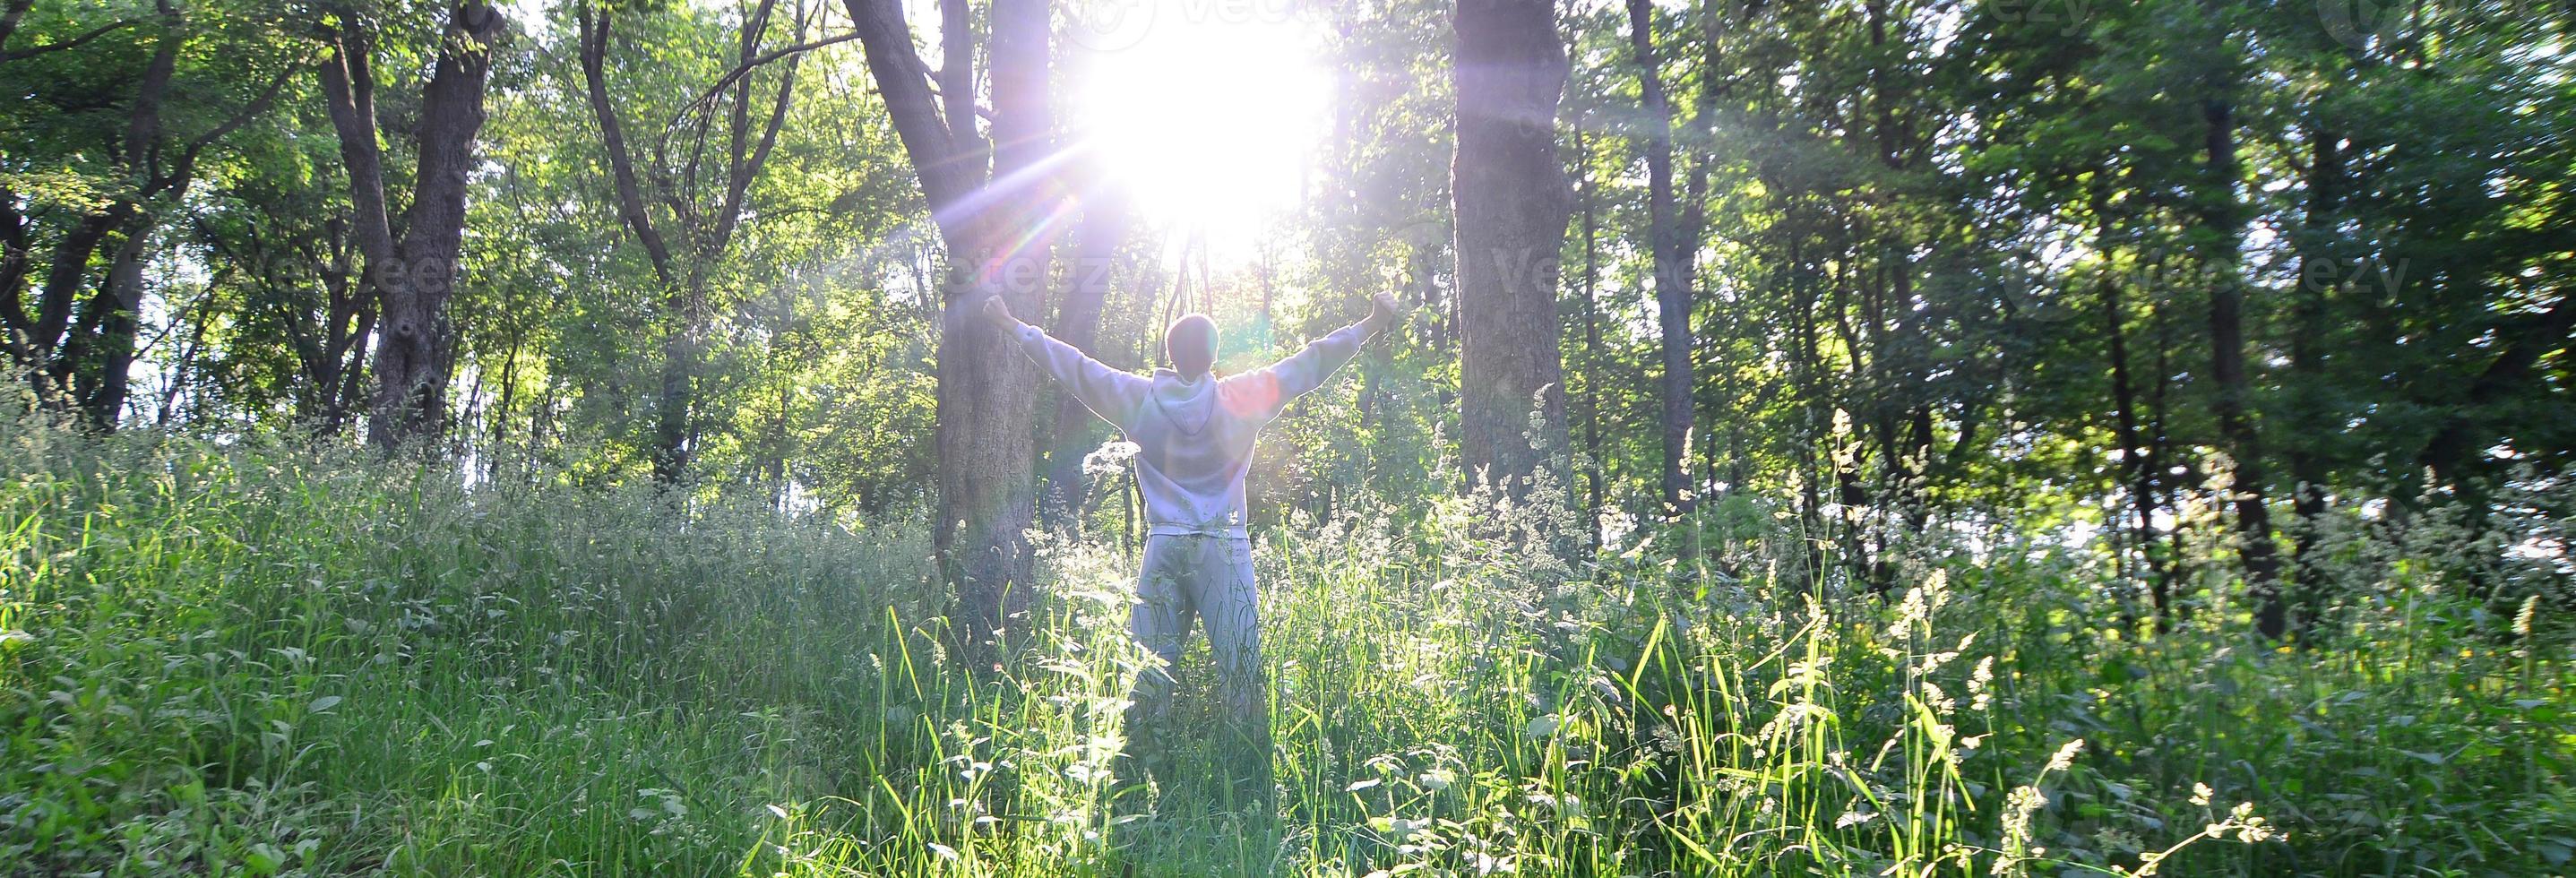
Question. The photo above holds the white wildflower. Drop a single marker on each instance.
(2065, 757)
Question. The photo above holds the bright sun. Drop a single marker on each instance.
(1207, 111)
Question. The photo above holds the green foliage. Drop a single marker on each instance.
(251, 659)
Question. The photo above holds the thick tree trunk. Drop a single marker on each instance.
(987, 388)
(1511, 206)
(415, 353)
(46, 353)
(998, 243)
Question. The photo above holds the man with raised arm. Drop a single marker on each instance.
(1194, 431)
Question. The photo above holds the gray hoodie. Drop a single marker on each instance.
(1194, 437)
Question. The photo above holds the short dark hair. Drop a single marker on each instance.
(1191, 344)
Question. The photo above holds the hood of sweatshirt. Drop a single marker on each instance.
(1186, 404)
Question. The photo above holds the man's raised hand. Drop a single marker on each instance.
(997, 312)
(1382, 309)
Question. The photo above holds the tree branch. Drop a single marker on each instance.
(253, 110)
(349, 92)
(630, 199)
(740, 186)
(73, 43)
(745, 68)
(904, 82)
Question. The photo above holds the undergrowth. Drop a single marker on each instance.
(261, 659)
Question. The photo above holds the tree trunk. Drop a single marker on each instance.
(2307, 360)
(1077, 323)
(2168, 484)
(1587, 193)
(998, 244)
(54, 362)
(10, 13)
(2222, 220)
(15, 262)
(415, 353)
(704, 230)
(50, 347)
(2137, 462)
(82, 364)
(99, 383)
(101, 353)
(1511, 207)
(1671, 251)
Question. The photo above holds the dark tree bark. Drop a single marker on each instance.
(1671, 248)
(2168, 483)
(16, 259)
(410, 266)
(998, 243)
(99, 385)
(1511, 205)
(10, 14)
(49, 346)
(2222, 227)
(416, 353)
(46, 355)
(336, 361)
(1714, 86)
(100, 379)
(2137, 462)
(2307, 358)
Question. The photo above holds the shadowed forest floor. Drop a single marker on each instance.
(250, 660)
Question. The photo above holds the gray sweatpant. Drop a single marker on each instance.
(1206, 576)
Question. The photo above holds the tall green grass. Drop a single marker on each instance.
(258, 659)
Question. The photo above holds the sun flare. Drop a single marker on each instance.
(1208, 114)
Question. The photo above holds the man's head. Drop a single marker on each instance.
(1191, 343)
